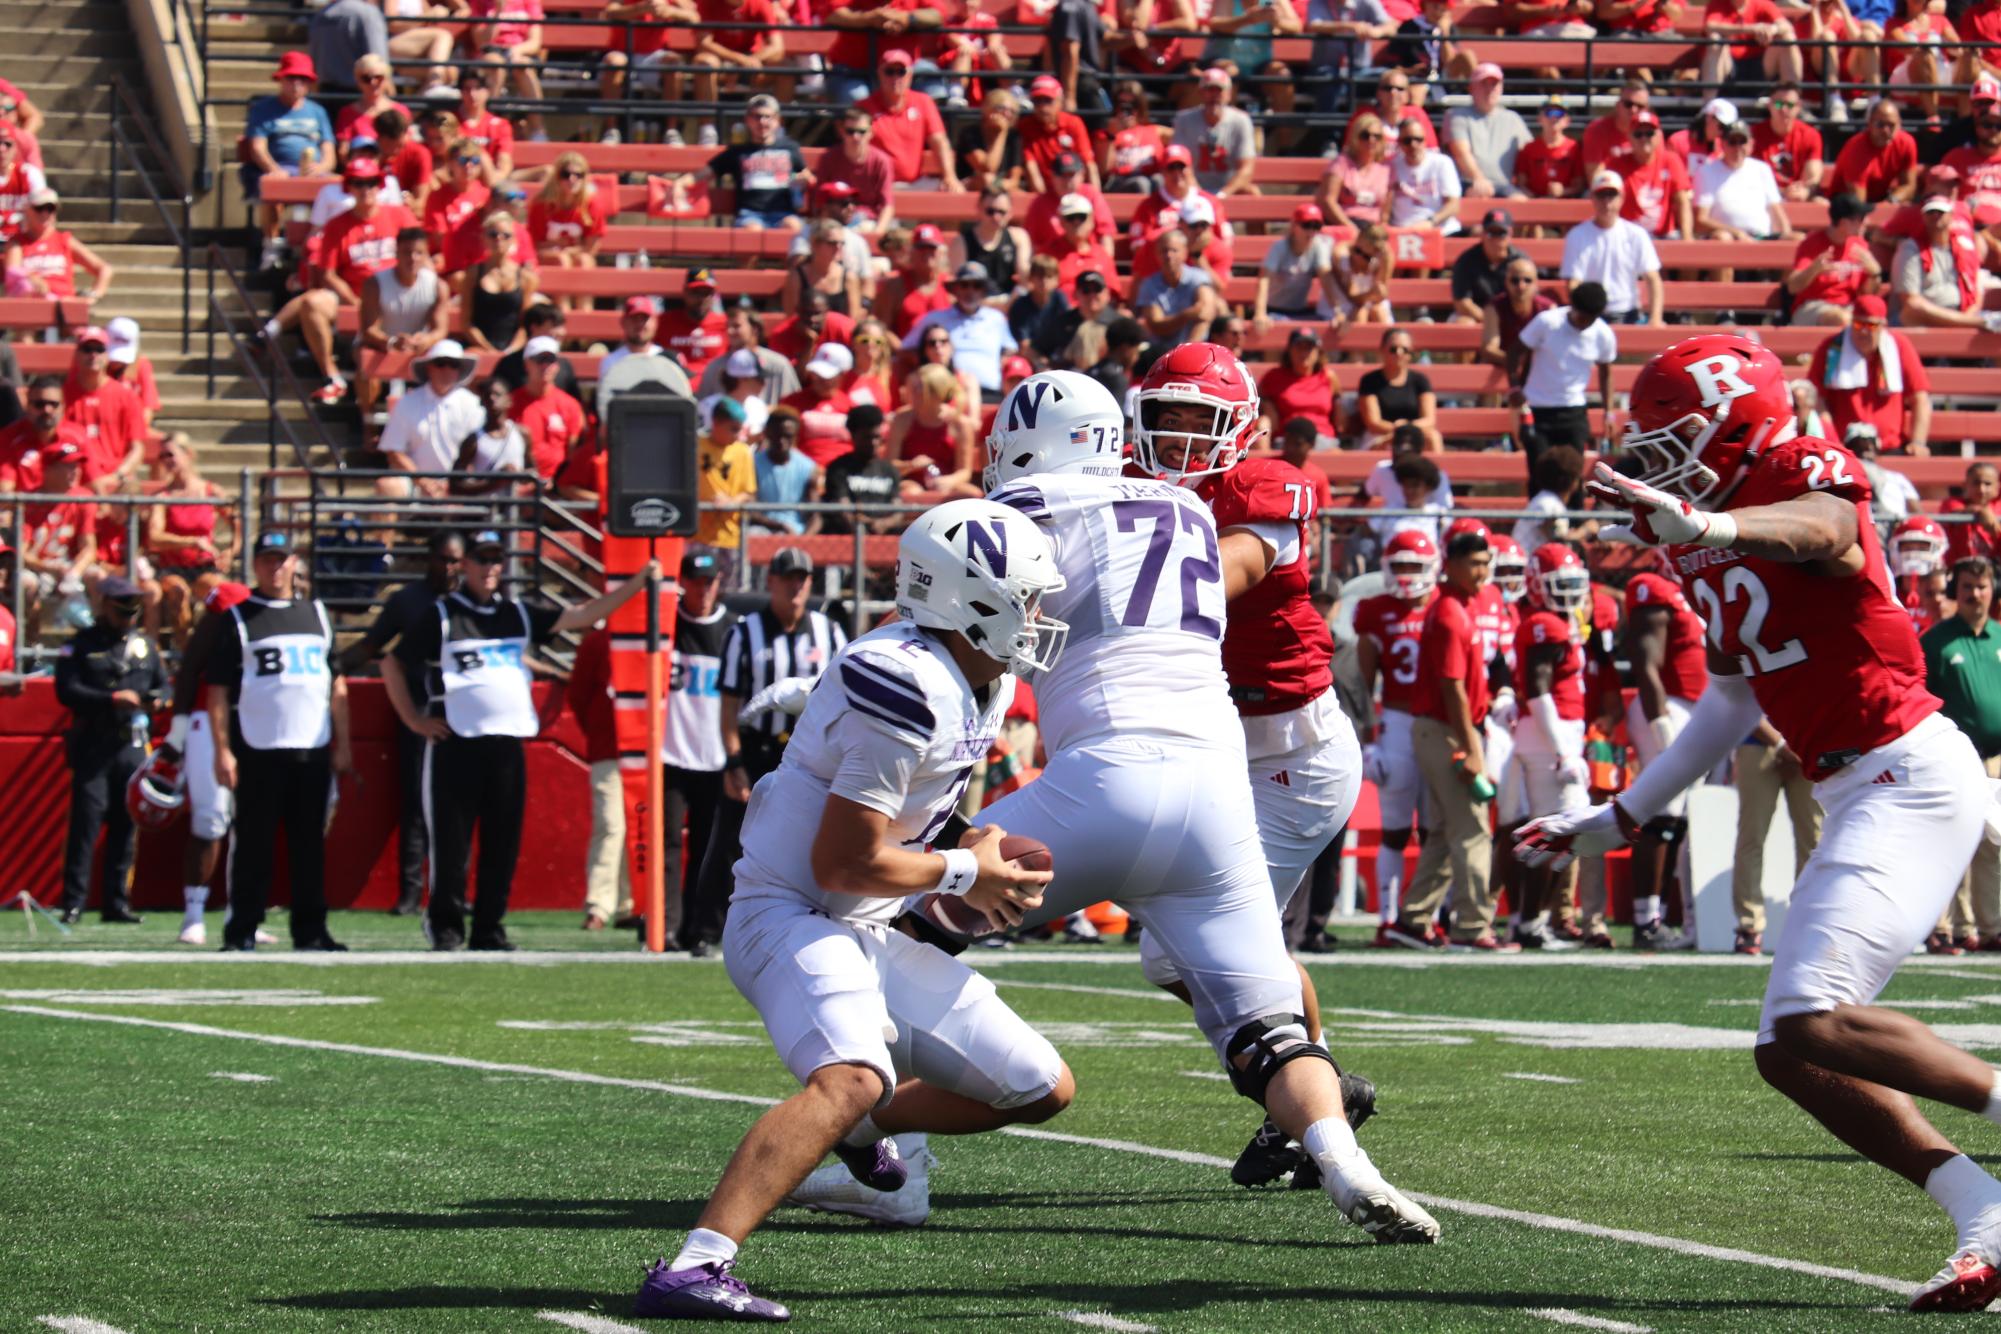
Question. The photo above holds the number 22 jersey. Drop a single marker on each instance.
(1833, 662)
(1143, 597)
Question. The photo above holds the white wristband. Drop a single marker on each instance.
(1722, 531)
(962, 868)
(177, 733)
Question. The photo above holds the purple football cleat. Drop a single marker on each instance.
(879, 1166)
(704, 1292)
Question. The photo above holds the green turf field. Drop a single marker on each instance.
(185, 1178)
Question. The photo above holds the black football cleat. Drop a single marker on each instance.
(1269, 1156)
(1358, 1099)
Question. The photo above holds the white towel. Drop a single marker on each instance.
(1848, 370)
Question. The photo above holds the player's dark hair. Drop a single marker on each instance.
(45, 382)
(1846, 208)
(1589, 298)
(1466, 544)
(1978, 566)
(1302, 428)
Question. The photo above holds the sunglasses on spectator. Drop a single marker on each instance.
(45, 405)
(1785, 104)
(373, 78)
(937, 342)
(1521, 282)
(856, 132)
(1990, 123)
(1369, 135)
(895, 71)
(41, 208)
(1409, 139)
(1177, 166)
(8, 142)
(1310, 226)
(1868, 324)
(1644, 132)
(571, 175)
(1397, 349)
(499, 233)
(1126, 109)
(996, 212)
(91, 349)
(466, 160)
(1633, 106)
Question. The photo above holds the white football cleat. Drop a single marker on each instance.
(833, 1190)
(1969, 1282)
(264, 937)
(194, 933)
(1375, 1206)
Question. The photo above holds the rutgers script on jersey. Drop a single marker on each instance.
(891, 725)
(1277, 650)
(1143, 597)
(1396, 628)
(1833, 661)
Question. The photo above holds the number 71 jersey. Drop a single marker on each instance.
(1833, 661)
(1143, 596)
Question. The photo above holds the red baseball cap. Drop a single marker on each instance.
(90, 333)
(699, 280)
(927, 234)
(1306, 213)
(62, 451)
(640, 305)
(1016, 368)
(1646, 118)
(1987, 88)
(296, 65)
(1046, 86)
(1871, 307)
(225, 595)
(1177, 153)
(362, 169)
(836, 190)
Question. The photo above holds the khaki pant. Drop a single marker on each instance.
(1977, 906)
(1459, 843)
(1591, 895)
(607, 882)
(1759, 786)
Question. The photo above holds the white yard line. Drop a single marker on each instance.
(1135, 993)
(1547, 1222)
(1206, 1074)
(589, 1324)
(1099, 1320)
(77, 1324)
(241, 1077)
(1572, 1318)
(1535, 1078)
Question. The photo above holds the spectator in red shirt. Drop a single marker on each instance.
(1768, 40)
(1079, 251)
(1657, 184)
(1065, 179)
(1979, 166)
(493, 134)
(356, 120)
(1303, 386)
(106, 412)
(746, 50)
(567, 218)
(816, 326)
(857, 173)
(1880, 163)
(460, 196)
(1832, 266)
(25, 444)
(1049, 132)
(513, 41)
(868, 29)
(133, 371)
(1130, 155)
(1451, 707)
(1608, 141)
(1977, 497)
(1870, 373)
(1551, 165)
(19, 179)
(181, 539)
(1979, 22)
(696, 330)
(823, 407)
(42, 259)
(1788, 145)
(60, 554)
(906, 124)
(551, 421)
(910, 294)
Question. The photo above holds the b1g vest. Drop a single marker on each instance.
(285, 688)
(694, 738)
(483, 667)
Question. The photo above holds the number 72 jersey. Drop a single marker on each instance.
(1833, 661)
(1143, 596)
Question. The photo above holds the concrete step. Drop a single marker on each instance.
(60, 98)
(33, 15)
(39, 43)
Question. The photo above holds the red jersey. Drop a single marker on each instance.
(552, 424)
(590, 696)
(1685, 668)
(1395, 627)
(1145, 223)
(790, 338)
(1786, 157)
(56, 531)
(1650, 191)
(6, 639)
(493, 133)
(49, 258)
(15, 187)
(109, 419)
(823, 424)
(1841, 281)
(357, 248)
(903, 134)
(918, 302)
(1137, 151)
(1291, 394)
(1601, 676)
(138, 377)
(447, 208)
(1545, 170)
(352, 122)
(1608, 145)
(1871, 401)
(1834, 663)
(754, 17)
(1452, 648)
(1979, 181)
(1965, 539)
(1490, 618)
(1567, 686)
(1860, 169)
(695, 342)
(21, 452)
(1749, 12)
(1277, 650)
(1511, 625)
(557, 225)
(1043, 144)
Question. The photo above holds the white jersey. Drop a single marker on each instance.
(1143, 597)
(891, 725)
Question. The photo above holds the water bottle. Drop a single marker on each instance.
(1476, 779)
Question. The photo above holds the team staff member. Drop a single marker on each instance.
(480, 709)
(782, 641)
(694, 753)
(277, 712)
(109, 677)
(1450, 708)
(211, 807)
(402, 610)
(1963, 668)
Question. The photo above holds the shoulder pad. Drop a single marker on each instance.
(1800, 466)
(1262, 490)
(889, 688)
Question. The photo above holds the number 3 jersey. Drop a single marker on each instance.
(892, 725)
(1143, 597)
(1278, 652)
(1833, 661)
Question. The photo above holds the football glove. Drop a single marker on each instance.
(787, 696)
(1373, 767)
(1504, 709)
(1657, 518)
(1555, 841)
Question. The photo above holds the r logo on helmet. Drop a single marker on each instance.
(1720, 378)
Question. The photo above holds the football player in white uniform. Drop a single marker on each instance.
(888, 1035)
(1146, 796)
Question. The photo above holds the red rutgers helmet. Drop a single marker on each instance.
(1411, 563)
(1199, 375)
(1459, 527)
(1704, 410)
(1558, 580)
(1917, 546)
(156, 794)
(225, 595)
(1511, 567)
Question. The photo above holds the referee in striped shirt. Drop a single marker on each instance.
(778, 641)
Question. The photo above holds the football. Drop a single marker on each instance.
(1032, 853)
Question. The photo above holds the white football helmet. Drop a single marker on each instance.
(982, 570)
(1411, 564)
(1558, 580)
(1917, 546)
(1511, 567)
(1056, 421)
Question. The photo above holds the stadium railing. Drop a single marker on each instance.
(234, 317)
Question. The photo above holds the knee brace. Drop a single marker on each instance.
(1258, 1050)
(1671, 830)
(1396, 839)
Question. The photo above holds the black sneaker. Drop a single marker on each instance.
(120, 917)
(1132, 932)
(497, 942)
(406, 908)
(1319, 943)
(1306, 1176)
(1358, 1099)
(444, 942)
(1269, 1156)
(324, 945)
(246, 946)
(1661, 938)
(701, 949)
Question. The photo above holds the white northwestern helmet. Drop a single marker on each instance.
(1056, 421)
(982, 569)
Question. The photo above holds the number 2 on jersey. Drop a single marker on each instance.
(1197, 568)
(1740, 584)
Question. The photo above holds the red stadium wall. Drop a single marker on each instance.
(361, 850)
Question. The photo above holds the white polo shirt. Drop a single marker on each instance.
(1565, 358)
(1613, 256)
